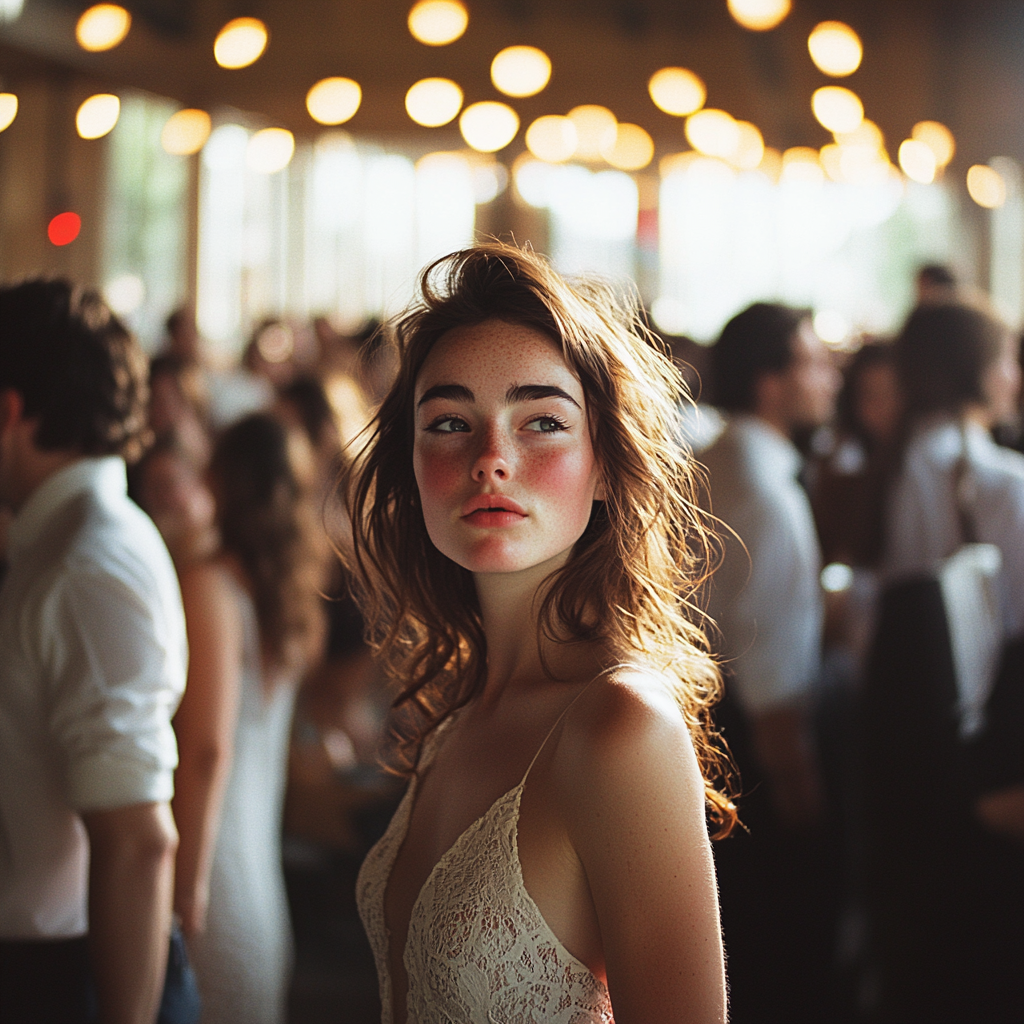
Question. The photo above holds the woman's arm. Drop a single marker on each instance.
(205, 727)
(637, 822)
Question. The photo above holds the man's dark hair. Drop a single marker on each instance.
(80, 373)
(757, 341)
(937, 274)
(942, 354)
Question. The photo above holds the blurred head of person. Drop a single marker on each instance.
(271, 352)
(870, 404)
(72, 383)
(183, 336)
(303, 404)
(935, 283)
(261, 479)
(178, 404)
(769, 362)
(166, 484)
(954, 359)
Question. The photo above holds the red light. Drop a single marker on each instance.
(64, 228)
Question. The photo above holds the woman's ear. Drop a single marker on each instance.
(599, 492)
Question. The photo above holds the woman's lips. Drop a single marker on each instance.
(493, 517)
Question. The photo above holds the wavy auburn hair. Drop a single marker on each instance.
(632, 578)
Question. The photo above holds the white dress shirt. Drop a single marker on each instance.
(93, 665)
(922, 515)
(767, 604)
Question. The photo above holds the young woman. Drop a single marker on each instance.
(524, 534)
(254, 625)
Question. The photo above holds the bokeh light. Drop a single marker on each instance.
(438, 22)
(521, 71)
(713, 133)
(240, 42)
(595, 130)
(551, 138)
(771, 163)
(125, 293)
(269, 150)
(97, 115)
(938, 138)
(835, 48)
(918, 161)
(8, 109)
(489, 126)
(432, 102)
(333, 100)
(759, 15)
(185, 132)
(64, 228)
(867, 133)
(837, 109)
(801, 164)
(102, 27)
(750, 149)
(986, 186)
(677, 91)
(631, 149)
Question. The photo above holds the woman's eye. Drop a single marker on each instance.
(449, 425)
(546, 425)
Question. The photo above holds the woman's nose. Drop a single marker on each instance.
(492, 460)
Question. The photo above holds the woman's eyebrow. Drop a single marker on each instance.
(452, 392)
(532, 392)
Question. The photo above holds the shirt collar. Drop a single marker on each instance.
(105, 475)
(775, 453)
(941, 440)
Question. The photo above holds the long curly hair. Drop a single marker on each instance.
(631, 580)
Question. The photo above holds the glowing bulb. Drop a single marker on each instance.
(185, 132)
(835, 48)
(918, 161)
(631, 149)
(771, 163)
(64, 228)
(837, 109)
(938, 138)
(97, 115)
(759, 15)
(521, 71)
(432, 102)
(986, 186)
(333, 100)
(713, 133)
(240, 42)
(595, 130)
(270, 150)
(438, 22)
(551, 138)
(102, 27)
(677, 91)
(750, 149)
(489, 126)
(867, 133)
(801, 163)
(8, 109)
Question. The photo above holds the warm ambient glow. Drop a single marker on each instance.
(102, 27)
(97, 115)
(240, 42)
(64, 228)
(801, 163)
(677, 91)
(185, 132)
(489, 126)
(551, 138)
(867, 133)
(595, 130)
(837, 109)
(8, 109)
(269, 150)
(521, 71)
(986, 186)
(917, 161)
(438, 22)
(759, 15)
(631, 149)
(938, 138)
(835, 48)
(713, 133)
(750, 150)
(333, 100)
(432, 102)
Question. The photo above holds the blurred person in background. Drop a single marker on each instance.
(254, 625)
(178, 404)
(772, 377)
(942, 744)
(935, 283)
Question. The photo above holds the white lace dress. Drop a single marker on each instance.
(478, 950)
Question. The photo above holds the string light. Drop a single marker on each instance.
(918, 161)
(759, 15)
(97, 115)
(835, 48)
(334, 100)
(8, 109)
(551, 138)
(713, 133)
(269, 150)
(631, 150)
(595, 130)
(64, 228)
(185, 132)
(521, 71)
(438, 22)
(433, 102)
(801, 163)
(240, 42)
(102, 27)
(986, 186)
(677, 91)
(489, 126)
(938, 138)
(837, 109)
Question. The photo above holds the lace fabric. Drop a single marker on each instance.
(478, 949)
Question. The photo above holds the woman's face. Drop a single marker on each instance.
(502, 455)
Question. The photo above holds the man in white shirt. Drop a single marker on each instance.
(772, 377)
(93, 665)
